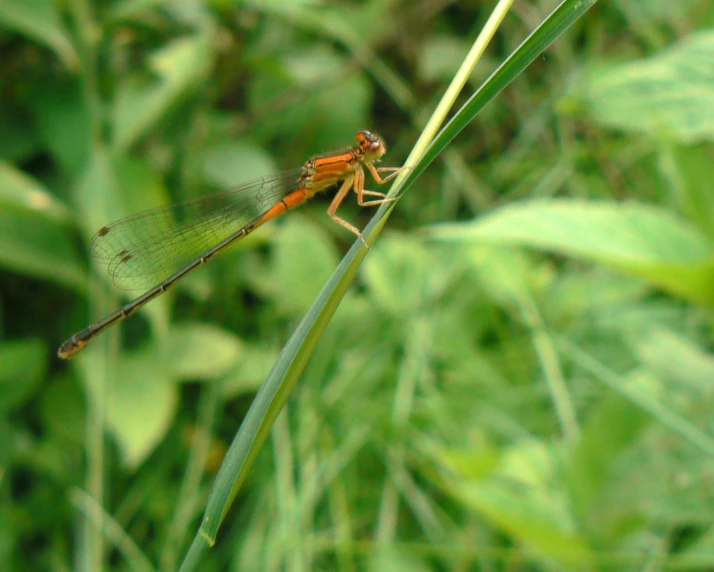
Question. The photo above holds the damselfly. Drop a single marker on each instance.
(156, 248)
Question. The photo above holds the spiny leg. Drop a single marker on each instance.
(357, 183)
(337, 201)
(385, 199)
(361, 191)
(393, 172)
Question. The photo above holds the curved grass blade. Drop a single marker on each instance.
(291, 362)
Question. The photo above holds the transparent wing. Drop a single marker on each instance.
(141, 250)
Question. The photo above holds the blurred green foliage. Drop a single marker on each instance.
(527, 384)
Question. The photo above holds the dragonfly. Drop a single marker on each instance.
(157, 248)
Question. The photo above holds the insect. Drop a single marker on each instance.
(141, 250)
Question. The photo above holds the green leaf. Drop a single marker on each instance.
(19, 140)
(324, 115)
(250, 371)
(473, 464)
(662, 10)
(612, 428)
(141, 102)
(141, 399)
(391, 557)
(669, 96)
(303, 257)
(140, 184)
(520, 501)
(19, 190)
(527, 518)
(639, 387)
(402, 266)
(133, 9)
(40, 20)
(97, 193)
(672, 356)
(22, 366)
(697, 555)
(232, 162)
(440, 57)
(36, 234)
(200, 351)
(690, 171)
(56, 107)
(505, 275)
(636, 239)
(63, 410)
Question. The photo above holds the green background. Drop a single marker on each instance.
(521, 376)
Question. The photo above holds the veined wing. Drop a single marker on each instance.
(141, 250)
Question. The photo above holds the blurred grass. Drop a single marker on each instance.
(496, 392)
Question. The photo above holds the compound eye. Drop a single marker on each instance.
(370, 143)
(365, 138)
